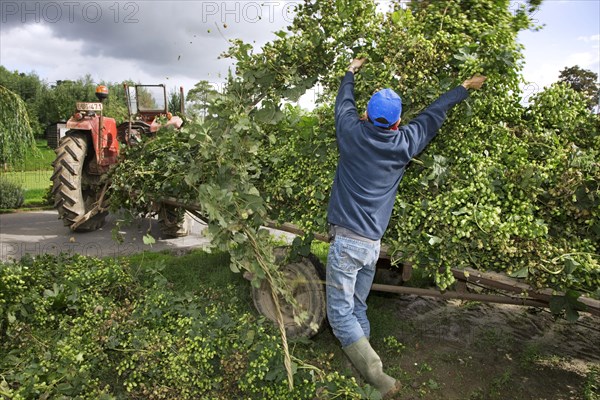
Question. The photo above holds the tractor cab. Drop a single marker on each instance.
(146, 102)
(148, 110)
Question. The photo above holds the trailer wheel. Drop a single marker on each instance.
(171, 221)
(307, 279)
(74, 190)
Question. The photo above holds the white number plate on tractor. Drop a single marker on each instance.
(89, 106)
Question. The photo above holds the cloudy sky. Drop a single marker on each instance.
(178, 42)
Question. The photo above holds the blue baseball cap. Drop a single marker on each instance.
(384, 108)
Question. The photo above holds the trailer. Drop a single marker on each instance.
(306, 276)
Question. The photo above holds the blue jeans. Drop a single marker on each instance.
(350, 272)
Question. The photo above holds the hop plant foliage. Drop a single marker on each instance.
(503, 186)
(86, 328)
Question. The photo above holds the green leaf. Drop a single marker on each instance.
(250, 335)
(269, 113)
(460, 212)
(148, 239)
(433, 240)
(275, 373)
(191, 178)
(239, 237)
(11, 317)
(557, 304)
(570, 264)
(294, 93)
(571, 314)
(568, 303)
(521, 273)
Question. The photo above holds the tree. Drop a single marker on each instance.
(16, 135)
(198, 98)
(30, 89)
(583, 81)
(57, 103)
(174, 101)
(115, 106)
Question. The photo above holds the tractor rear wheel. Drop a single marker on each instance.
(75, 191)
(306, 279)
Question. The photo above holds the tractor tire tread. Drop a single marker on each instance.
(67, 182)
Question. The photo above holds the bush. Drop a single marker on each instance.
(48, 198)
(11, 194)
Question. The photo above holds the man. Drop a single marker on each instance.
(373, 155)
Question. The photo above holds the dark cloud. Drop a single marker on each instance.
(162, 37)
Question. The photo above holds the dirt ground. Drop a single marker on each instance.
(460, 350)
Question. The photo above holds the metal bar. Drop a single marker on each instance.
(461, 296)
(181, 102)
(174, 202)
(494, 280)
(498, 281)
(291, 228)
(285, 227)
(98, 208)
(592, 305)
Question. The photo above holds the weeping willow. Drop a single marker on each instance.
(16, 135)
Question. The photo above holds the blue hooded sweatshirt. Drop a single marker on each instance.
(372, 160)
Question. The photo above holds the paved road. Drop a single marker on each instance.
(41, 232)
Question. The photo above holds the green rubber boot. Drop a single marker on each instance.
(368, 363)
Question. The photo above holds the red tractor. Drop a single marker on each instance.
(91, 146)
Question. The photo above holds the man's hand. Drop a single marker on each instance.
(356, 64)
(474, 82)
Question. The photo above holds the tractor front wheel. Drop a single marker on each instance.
(75, 191)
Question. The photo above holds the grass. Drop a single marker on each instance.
(529, 356)
(591, 388)
(38, 159)
(34, 183)
(33, 174)
(195, 270)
